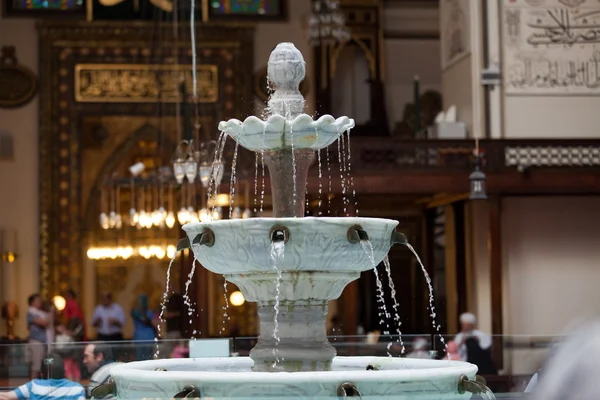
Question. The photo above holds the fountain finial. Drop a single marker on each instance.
(285, 70)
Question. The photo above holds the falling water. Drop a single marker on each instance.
(431, 299)
(232, 181)
(383, 314)
(294, 193)
(220, 147)
(277, 255)
(320, 183)
(329, 177)
(262, 160)
(219, 165)
(226, 316)
(342, 161)
(255, 181)
(163, 304)
(388, 270)
(350, 177)
(186, 296)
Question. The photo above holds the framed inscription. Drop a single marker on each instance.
(142, 83)
(551, 47)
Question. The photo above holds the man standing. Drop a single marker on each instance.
(98, 360)
(73, 315)
(108, 320)
(468, 324)
(53, 386)
(37, 322)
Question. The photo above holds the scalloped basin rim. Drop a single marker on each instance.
(279, 119)
(350, 221)
(408, 370)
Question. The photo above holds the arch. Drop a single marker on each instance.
(146, 131)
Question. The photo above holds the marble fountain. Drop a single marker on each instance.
(292, 266)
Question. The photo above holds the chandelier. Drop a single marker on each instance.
(327, 24)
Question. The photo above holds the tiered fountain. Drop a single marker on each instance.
(292, 266)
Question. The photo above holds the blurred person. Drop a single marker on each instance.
(98, 359)
(468, 329)
(64, 345)
(74, 317)
(52, 386)
(182, 350)
(144, 331)
(480, 357)
(573, 367)
(108, 319)
(419, 349)
(37, 322)
(452, 351)
(50, 310)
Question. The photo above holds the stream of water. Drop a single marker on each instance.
(232, 180)
(277, 258)
(388, 270)
(431, 298)
(384, 316)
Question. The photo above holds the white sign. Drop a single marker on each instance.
(551, 47)
(455, 34)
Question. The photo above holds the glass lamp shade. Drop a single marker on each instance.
(204, 172)
(179, 170)
(183, 216)
(477, 182)
(104, 221)
(237, 213)
(191, 170)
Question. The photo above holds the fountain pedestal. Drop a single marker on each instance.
(298, 340)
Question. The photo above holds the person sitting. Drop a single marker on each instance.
(452, 351)
(468, 324)
(53, 386)
(98, 360)
(419, 349)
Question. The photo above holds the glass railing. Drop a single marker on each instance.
(521, 356)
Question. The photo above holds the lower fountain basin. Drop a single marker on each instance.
(232, 378)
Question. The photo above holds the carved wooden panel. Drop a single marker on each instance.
(225, 77)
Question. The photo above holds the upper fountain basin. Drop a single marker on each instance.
(243, 246)
(277, 132)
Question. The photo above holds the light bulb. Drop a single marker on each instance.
(170, 220)
(247, 213)
(112, 219)
(182, 216)
(156, 218)
(237, 213)
(204, 216)
(118, 221)
(171, 251)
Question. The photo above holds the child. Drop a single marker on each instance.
(181, 350)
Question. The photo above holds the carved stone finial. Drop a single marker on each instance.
(285, 70)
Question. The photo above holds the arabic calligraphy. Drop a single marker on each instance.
(563, 29)
(132, 83)
(546, 74)
(165, 5)
(551, 48)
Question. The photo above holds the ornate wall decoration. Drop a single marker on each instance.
(42, 8)
(64, 232)
(141, 83)
(18, 84)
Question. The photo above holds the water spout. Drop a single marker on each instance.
(357, 234)
(279, 234)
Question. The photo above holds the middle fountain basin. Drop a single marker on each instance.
(243, 246)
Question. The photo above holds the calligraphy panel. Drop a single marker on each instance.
(551, 47)
(142, 83)
(247, 9)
